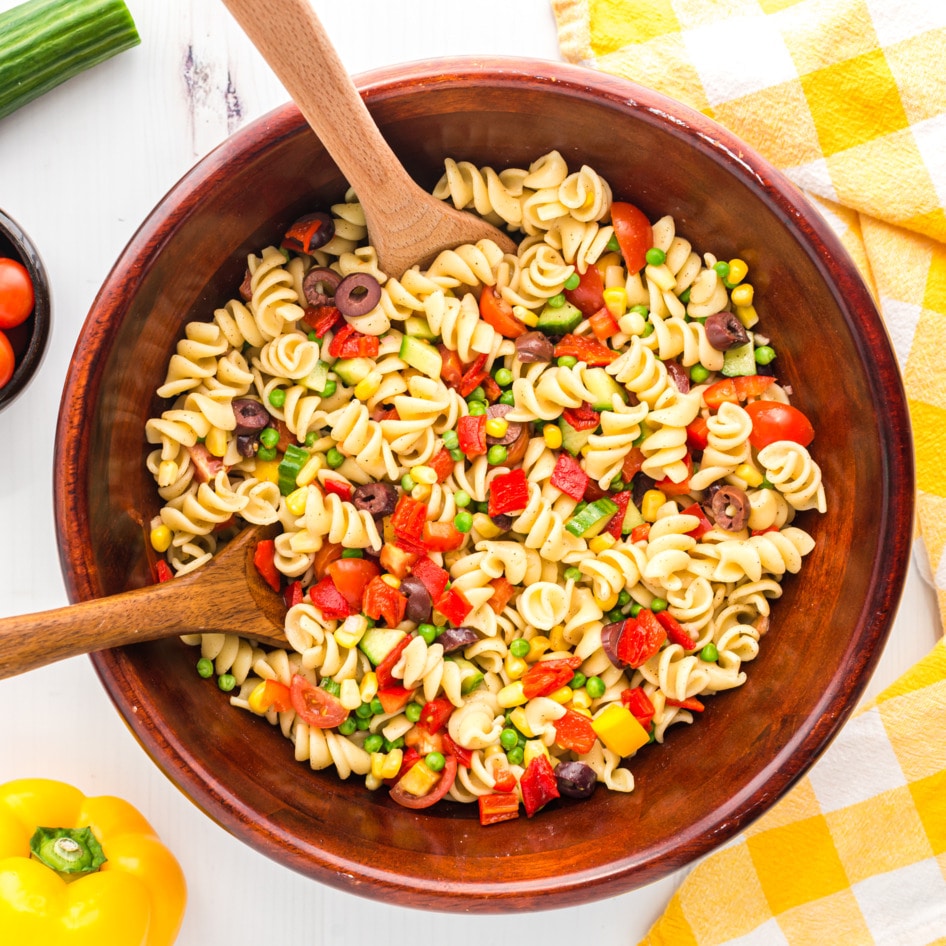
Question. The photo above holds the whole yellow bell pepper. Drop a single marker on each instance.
(77, 871)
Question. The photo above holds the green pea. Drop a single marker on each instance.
(483, 507)
(205, 667)
(617, 485)
(277, 397)
(456, 455)
(311, 437)
(413, 710)
(578, 681)
(496, 455)
(450, 440)
(764, 355)
(503, 377)
(353, 553)
(266, 453)
(435, 761)
(226, 682)
(579, 507)
(407, 482)
(572, 573)
(462, 498)
(624, 598)
(613, 246)
(648, 330)
(722, 268)
(477, 408)
(508, 397)
(640, 309)
(334, 458)
(635, 609)
(595, 687)
(347, 726)
(374, 742)
(616, 615)
(312, 337)
(428, 632)
(655, 256)
(390, 744)
(658, 604)
(684, 296)
(519, 647)
(709, 653)
(516, 755)
(463, 521)
(573, 281)
(698, 373)
(331, 686)
(330, 388)
(477, 394)
(556, 301)
(766, 484)
(567, 361)
(509, 738)
(364, 711)
(362, 723)
(376, 708)
(269, 437)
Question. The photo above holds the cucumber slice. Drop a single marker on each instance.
(470, 675)
(352, 370)
(632, 519)
(603, 387)
(559, 320)
(573, 440)
(377, 642)
(417, 326)
(740, 361)
(592, 519)
(421, 355)
(316, 379)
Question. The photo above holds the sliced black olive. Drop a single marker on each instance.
(502, 521)
(379, 499)
(308, 233)
(248, 444)
(419, 603)
(513, 430)
(250, 415)
(533, 346)
(357, 294)
(680, 376)
(731, 508)
(610, 637)
(453, 638)
(724, 330)
(319, 285)
(575, 779)
(246, 287)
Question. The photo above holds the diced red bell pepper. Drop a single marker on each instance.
(348, 342)
(435, 713)
(671, 488)
(293, 594)
(582, 418)
(491, 389)
(547, 676)
(473, 376)
(698, 433)
(569, 477)
(206, 465)
(396, 561)
(394, 697)
(383, 601)
(451, 369)
(509, 492)
(503, 590)
(496, 312)
(321, 318)
(432, 575)
(640, 533)
(328, 599)
(442, 464)
(632, 464)
(162, 571)
(538, 785)
(442, 537)
(642, 638)
(307, 233)
(616, 524)
(638, 702)
(504, 779)
(736, 389)
(585, 349)
(471, 434)
(409, 517)
(573, 731)
(383, 670)
(588, 295)
(603, 324)
(453, 605)
(593, 492)
(339, 488)
(463, 756)
(676, 633)
(695, 509)
(497, 807)
(690, 703)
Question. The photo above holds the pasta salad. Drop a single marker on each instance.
(534, 507)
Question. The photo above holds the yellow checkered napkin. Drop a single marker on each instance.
(848, 99)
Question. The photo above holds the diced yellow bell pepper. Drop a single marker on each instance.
(419, 779)
(617, 728)
(533, 749)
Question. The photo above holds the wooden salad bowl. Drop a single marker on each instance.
(709, 780)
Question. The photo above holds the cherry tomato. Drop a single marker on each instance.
(351, 577)
(315, 705)
(497, 312)
(6, 360)
(588, 295)
(405, 798)
(16, 293)
(634, 234)
(736, 389)
(324, 557)
(772, 420)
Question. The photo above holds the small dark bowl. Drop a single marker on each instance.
(30, 337)
(711, 779)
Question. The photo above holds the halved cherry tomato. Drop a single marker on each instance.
(634, 234)
(588, 295)
(446, 779)
(7, 360)
(435, 713)
(497, 312)
(772, 420)
(16, 293)
(736, 389)
(315, 705)
(632, 464)
(603, 324)
(351, 577)
(324, 557)
(397, 561)
(451, 369)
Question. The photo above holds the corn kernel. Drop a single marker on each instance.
(349, 695)
(538, 645)
(255, 700)
(368, 385)
(562, 695)
(216, 442)
(511, 695)
(308, 472)
(747, 315)
(737, 271)
(515, 666)
(392, 763)
(557, 639)
(267, 470)
(607, 604)
(296, 500)
(533, 749)
(552, 435)
(742, 295)
(749, 474)
(609, 259)
(351, 631)
(424, 474)
(421, 492)
(160, 538)
(601, 543)
(392, 581)
(580, 699)
(526, 316)
(519, 719)
(485, 527)
(372, 783)
(368, 689)
(377, 765)
(651, 503)
(496, 427)
(167, 472)
(615, 299)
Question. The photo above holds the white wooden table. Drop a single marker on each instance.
(80, 168)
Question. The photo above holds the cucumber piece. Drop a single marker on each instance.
(316, 379)
(559, 320)
(421, 355)
(573, 440)
(632, 519)
(294, 459)
(592, 519)
(470, 675)
(377, 642)
(739, 361)
(45, 42)
(352, 370)
(417, 326)
(603, 387)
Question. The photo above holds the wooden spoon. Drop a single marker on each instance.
(406, 225)
(226, 595)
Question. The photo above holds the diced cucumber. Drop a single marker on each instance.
(603, 387)
(352, 370)
(739, 361)
(417, 326)
(377, 642)
(470, 675)
(573, 440)
(559, 320)
(315, 380)
(592, 519)
(421, 355)
(632, 519)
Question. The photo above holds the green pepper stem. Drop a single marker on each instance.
(70, 852)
